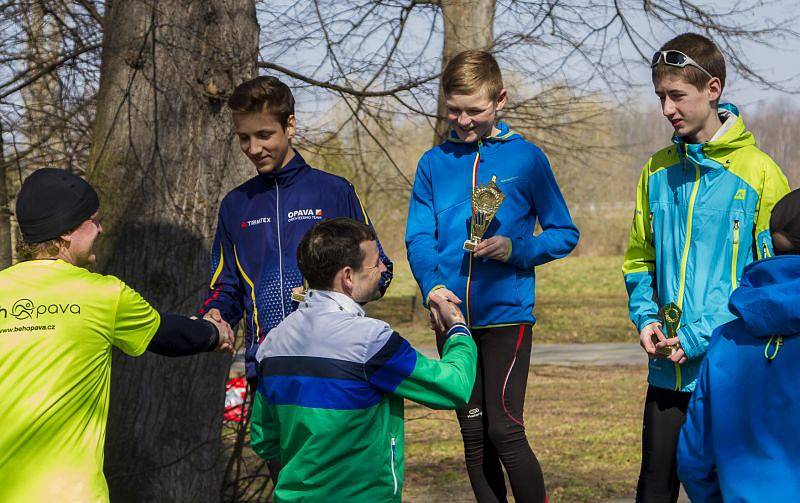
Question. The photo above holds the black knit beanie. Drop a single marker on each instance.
(53, 202)
(785, 220)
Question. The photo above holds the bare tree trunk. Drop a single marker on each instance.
(162, 158)
(5, 211)
(468, 24)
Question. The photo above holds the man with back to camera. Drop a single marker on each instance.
(329, 404)
(58, 323)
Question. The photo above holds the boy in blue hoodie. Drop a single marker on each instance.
(740, 440)
(494, 283)
(702, 214)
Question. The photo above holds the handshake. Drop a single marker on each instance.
(225, 343)
(444, 309)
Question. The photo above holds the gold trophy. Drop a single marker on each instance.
(486, 200)
(670, 316)
(301, 295)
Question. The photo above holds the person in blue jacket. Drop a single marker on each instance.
(261, 222)
(494, 285)
(740, 441)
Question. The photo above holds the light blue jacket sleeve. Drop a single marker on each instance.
(421, 232)
(695, 335)
(696, 461)
(559, 234)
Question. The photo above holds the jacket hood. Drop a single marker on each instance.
(768, 298)
(505, 134)
(731, 136)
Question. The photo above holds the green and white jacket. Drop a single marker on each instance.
(330, 399)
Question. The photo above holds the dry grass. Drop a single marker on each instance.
(583, 423)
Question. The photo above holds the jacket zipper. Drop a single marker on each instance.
(469, 272)
(685, 257)
(765, 249)
(393, 455)
(734, 281)
(280, 251)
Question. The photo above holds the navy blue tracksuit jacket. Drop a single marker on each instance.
(254, 258)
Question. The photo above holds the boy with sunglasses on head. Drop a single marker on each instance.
(702, 214)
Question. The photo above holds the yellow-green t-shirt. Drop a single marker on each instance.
(58, 323)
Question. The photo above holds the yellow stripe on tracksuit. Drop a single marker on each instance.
(363, 210)
(218, 271)
(252, 291)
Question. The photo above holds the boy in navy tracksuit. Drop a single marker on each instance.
(494, 285)
(261, 222)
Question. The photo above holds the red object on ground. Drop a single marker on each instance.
(235, 406)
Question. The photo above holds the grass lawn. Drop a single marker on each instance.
(583, 423)
(578, 299)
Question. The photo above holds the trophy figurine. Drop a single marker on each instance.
(486, 201)
(670, 316)
(299, 292)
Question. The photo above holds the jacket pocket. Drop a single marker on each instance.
(735, 257)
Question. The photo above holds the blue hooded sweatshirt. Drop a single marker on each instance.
(493, 292)
(741, 439)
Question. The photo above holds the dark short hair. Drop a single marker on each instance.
(701, 49)
(263, 94)
(784, 224)
(328, 247)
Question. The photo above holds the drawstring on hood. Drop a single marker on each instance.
(766, 300)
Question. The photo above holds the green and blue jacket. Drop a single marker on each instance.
(330, 399)
(702, 214)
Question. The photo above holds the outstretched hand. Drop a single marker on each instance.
(445, 312)
(437, 297)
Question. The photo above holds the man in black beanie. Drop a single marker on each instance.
(58, 322)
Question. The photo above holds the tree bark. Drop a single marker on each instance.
(5, 211)
(162, 158)
(468, 24)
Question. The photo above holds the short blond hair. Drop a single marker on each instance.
(472, 72)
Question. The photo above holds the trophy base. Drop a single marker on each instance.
(299, 297)
(470, 244)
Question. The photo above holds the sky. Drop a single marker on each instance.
(776, 64)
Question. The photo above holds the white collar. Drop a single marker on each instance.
(727, 124)
(337, 300)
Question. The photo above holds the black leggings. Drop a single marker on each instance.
(664, 414)
(491, 422)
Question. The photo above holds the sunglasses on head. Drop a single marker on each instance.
(677, 59)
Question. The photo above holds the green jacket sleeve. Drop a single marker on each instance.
(439, 384)
(264, 430)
